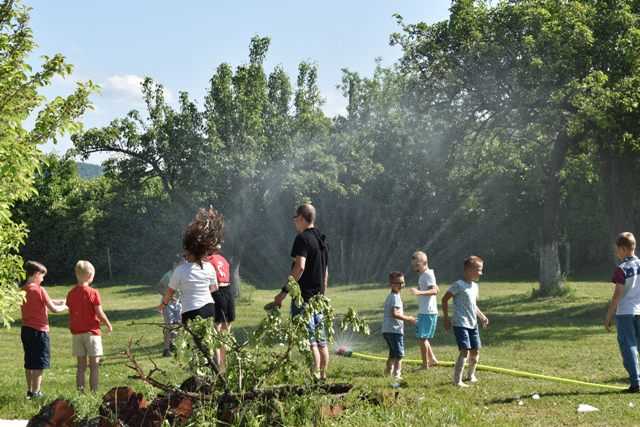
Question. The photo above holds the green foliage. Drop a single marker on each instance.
(266, 358)
(19, 153)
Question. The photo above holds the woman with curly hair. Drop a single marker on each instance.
(196, 278)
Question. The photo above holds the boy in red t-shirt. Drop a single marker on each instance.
(35, 327)
(85, 315)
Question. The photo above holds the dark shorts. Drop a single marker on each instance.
(395, 342)
(36, 348)
(467, 339)
(205, 312)
(225, 305)
(317, 334)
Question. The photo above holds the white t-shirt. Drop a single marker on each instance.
(628, 274)
(427, 303)
(465, 297)
(194, 282)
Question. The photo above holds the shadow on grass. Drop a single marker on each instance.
(553, 394)
(513, 318)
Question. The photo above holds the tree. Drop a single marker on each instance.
(510, 74)
(19, 153)
(170, 145)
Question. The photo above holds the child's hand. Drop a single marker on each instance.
(411, 320)
(447, 324)
(607, 324)
(415, 291)
(160, 308)
(109, 327)
(484, 320)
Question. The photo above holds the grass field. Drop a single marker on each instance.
(561, 337)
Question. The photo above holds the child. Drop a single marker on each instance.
(428, 307)
(625, 304)
(393, 325)
(85, 315)
(35, 327)
(196, 278)
(465, 319)
(172, 311)
(223, 298)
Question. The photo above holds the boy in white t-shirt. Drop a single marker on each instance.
(625, 305)
(428, 307)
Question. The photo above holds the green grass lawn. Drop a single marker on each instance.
(561, 337)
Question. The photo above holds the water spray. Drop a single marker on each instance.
(345, 352)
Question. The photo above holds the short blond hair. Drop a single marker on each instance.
(419, 256)
(626, 240)
(84, 270)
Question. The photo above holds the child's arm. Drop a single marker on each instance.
(166, 298)
(445, 310)
(325, 285)
(613, 306)
(56, 306)
(483, 319)
(398, 315)
(433, 291)
(103, 317)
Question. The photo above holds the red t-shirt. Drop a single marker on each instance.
(221, 265)
(34, 308)
(82, 302)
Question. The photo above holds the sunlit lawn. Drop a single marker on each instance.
(561, 337)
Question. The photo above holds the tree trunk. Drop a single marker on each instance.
(617, 174)
(550, 272)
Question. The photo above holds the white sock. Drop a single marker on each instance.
(458, 368)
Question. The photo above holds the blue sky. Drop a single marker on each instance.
(115, 43)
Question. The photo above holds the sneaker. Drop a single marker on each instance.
(37, 395)
(633, 389)
(166, 353)
(29, 395)
(472, 379)
(461, 385)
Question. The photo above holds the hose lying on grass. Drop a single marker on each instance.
(512, 372)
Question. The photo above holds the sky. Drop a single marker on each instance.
(117, 43)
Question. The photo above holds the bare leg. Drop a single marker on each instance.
(315, 369)
(389, 367)
(397, 368)
(430, 356)
(474, 356)
(459, 367)
(94, 368)
(27, 374)
(424, 352)
(80, 372)
(36, 380)
(222, 351)
(324, 361)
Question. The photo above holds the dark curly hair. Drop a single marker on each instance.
(203, 234)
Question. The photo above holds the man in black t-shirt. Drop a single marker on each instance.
(310, 269)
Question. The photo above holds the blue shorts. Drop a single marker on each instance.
(396, 345)
(317, 334)
(467, 339)
(37, 353)
(426, 326)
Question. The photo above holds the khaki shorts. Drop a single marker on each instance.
(87, 345)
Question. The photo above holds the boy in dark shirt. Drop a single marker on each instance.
(310, 269)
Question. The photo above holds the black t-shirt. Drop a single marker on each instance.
(312, 245)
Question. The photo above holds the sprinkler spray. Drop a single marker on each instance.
(343, 351)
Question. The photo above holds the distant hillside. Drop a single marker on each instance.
(89, 170)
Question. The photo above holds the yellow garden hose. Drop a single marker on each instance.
(494, 369)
